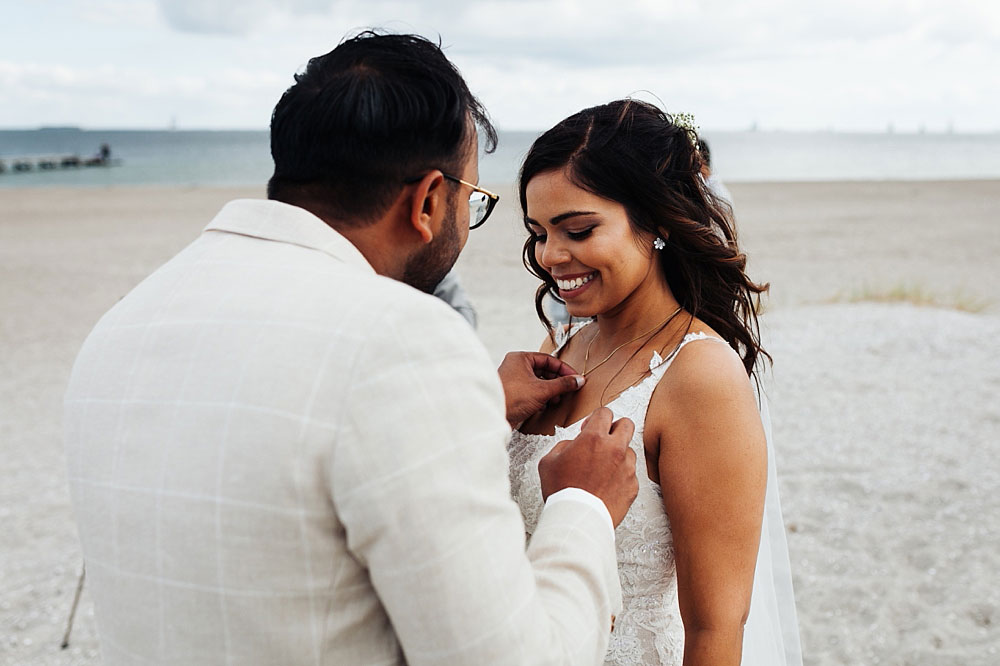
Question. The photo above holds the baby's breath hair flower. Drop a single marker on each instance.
(686, 122)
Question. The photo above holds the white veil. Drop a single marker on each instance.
(771, 636)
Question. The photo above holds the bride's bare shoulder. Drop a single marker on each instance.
(707, 379)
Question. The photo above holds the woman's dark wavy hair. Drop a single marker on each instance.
(635, 154)
(360, 120)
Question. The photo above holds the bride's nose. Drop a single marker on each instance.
(552, 252)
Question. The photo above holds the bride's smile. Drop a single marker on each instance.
(570, 286)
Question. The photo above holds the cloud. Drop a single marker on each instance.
(233, 17)
(227, 17)
(125, 96)
(598, 33)
(843, 63)
(846, 63)
(242, 17)
(119, 14)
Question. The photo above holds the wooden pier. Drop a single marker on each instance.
(52, 162)
(21, 164)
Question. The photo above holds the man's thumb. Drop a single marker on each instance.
(562, 385)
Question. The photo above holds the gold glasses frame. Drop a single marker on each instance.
(491, 198)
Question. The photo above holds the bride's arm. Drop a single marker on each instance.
(713, 471)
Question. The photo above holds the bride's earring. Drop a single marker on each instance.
(659, 243)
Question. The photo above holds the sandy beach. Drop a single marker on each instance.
(884, 395)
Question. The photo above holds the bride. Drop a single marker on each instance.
(624, 231)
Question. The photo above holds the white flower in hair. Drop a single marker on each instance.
(686, 122)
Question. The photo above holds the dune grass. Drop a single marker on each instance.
(914, 294)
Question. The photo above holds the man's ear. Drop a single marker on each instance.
(428, 204)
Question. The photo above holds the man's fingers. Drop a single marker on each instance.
(546, 364)
(624, 426)
(548, 389)
(569, 383)
(599, 420)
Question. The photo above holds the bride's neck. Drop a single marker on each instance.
(635, 315)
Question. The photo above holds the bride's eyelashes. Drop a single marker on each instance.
(579, 235)
(572, 235)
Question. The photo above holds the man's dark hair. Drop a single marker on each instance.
(377, 110)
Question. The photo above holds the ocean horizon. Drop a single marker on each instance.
(242, 157)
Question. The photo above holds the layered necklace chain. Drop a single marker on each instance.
(647, 334)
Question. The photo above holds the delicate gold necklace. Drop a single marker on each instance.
(586, 357)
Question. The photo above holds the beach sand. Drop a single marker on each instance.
(886, 414)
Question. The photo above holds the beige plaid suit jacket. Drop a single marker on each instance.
(277, 456)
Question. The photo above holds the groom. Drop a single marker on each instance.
(281, 452)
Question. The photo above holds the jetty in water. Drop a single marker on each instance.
(51, 162)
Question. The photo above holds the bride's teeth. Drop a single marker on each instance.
(575, 283)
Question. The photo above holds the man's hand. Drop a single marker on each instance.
(599, 461)
(531, 380)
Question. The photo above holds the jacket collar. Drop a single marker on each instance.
(283, 223)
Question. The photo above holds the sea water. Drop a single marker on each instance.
(220, 158)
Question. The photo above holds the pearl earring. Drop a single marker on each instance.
(659, 243)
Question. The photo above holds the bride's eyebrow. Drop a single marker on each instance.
(573, 213)
(561, 217)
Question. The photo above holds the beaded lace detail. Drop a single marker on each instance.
(649, 629)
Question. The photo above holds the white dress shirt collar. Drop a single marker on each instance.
(284, 223)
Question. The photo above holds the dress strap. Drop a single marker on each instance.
(563, 333)
(658, 365)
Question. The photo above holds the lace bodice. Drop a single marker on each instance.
(649, 629)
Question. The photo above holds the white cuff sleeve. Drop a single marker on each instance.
(583, 497)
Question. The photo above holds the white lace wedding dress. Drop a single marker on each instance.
(649, 629)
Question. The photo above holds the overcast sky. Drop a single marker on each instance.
(782, 64)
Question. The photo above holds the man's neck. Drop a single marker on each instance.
(374, 243)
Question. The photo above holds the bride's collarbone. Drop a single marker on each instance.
(606, 383)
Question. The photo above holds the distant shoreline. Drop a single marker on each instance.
(496, 184)
(706, 131)
(237, 157)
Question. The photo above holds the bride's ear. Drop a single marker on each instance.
(427, 205)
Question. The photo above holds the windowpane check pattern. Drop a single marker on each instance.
(272, 450)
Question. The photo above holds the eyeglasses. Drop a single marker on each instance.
(481, 202)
